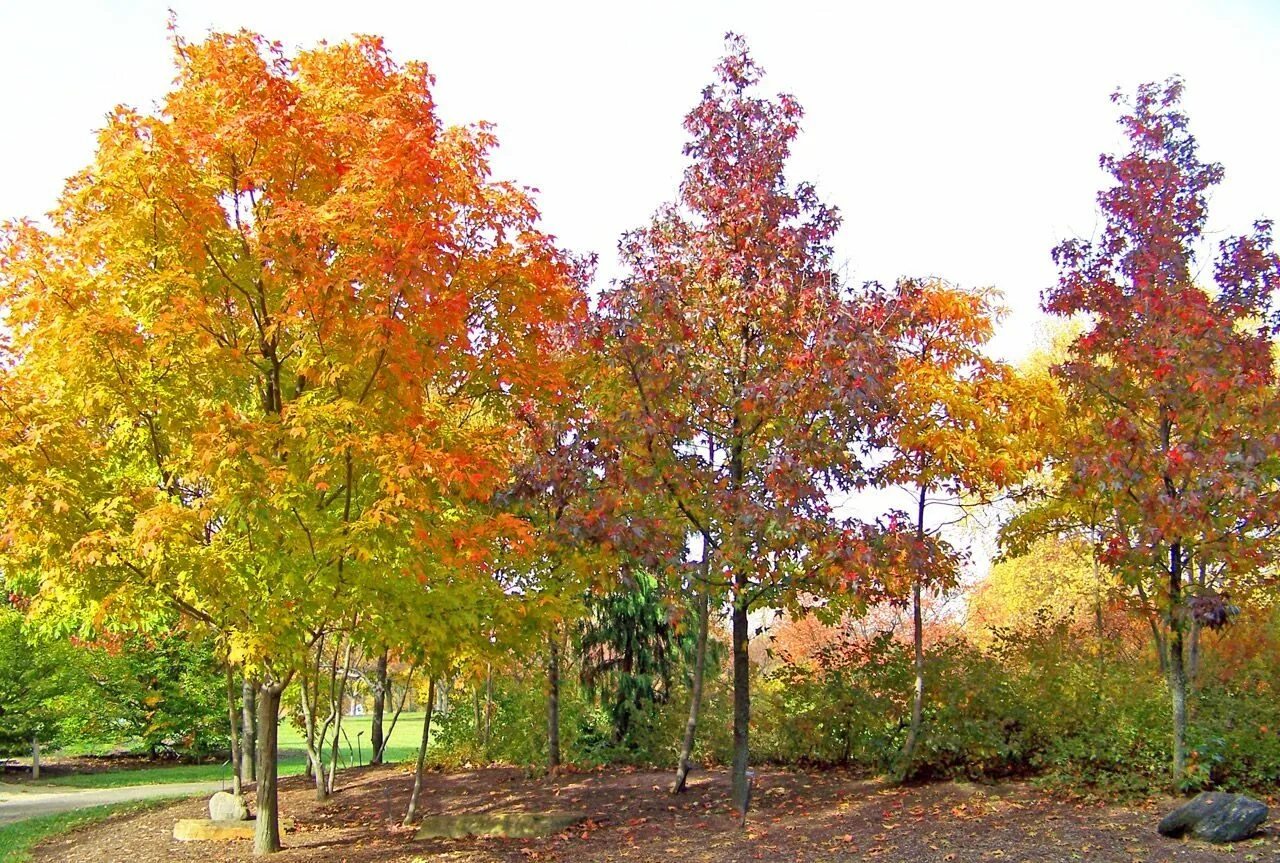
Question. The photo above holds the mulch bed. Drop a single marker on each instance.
(800, 816)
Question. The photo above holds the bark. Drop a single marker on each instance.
(266, 837)
(488, 705)
(35, 756)
(411, 815)
(379, 708)
(917, 645)
(314, 771)
(1099, 629)
(699, 674)
(248, 732)
(553, 705)
(1201, 576)
(337, 726)
(741, 696)
(1177, 670)
(233, 715)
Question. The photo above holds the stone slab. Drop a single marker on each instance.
(207, 830)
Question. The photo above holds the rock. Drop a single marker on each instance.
(511, 825)
(206, 830)
(224, 806)
(1217, 818)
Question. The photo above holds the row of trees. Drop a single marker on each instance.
(288, 362)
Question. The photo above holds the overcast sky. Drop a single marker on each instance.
(957, 139)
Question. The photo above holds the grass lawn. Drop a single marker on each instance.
(354, 750)
(17, 839)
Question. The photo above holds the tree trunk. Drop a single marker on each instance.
(411, 815)
(1100, 632)
(917, 645)
(699, 673)
(337, 726)
(379, 708)
(35, 756)
(488, 706)
(1177, 670)
(233, 715)
(315, 770)
(917, 695)
(553, 705)
(1201, 576)
(741, 696)
(266, 836)
(248, 733)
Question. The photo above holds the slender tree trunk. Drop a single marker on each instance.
(379, 708)
(315, 771)
(248, 733)
(1160, 643)
(741, 696)
(337, 727)
(699, 673)
(553, 705)
(266, 837)
(1177, 670)
(1099, 629)
(233, 715)
(917, 644)
(488, 706)
(35, 756)
(1194, 630)
(411, 815)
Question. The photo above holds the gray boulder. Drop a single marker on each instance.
(224, 806)
(1214, 817)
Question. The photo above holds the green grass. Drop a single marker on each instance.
(17, 839)
(289, 766)
(403, 745)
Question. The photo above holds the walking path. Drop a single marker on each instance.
(26, 801)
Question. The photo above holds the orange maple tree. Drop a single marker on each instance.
(262, 365)
(958, 427)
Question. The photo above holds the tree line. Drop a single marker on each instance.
(289, 368)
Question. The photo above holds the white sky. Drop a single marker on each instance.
(957, 139)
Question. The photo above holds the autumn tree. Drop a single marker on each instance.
(264, 359)
(957, 428)
(1174, 382)
(741, 372)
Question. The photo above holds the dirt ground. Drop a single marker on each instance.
(816, 816)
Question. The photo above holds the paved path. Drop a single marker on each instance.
(25, 801)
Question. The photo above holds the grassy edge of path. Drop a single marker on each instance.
(402, 747)
(20, 837)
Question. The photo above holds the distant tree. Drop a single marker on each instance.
(629, 649)
(958, 427)
(32, 677)
(1175, 387)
